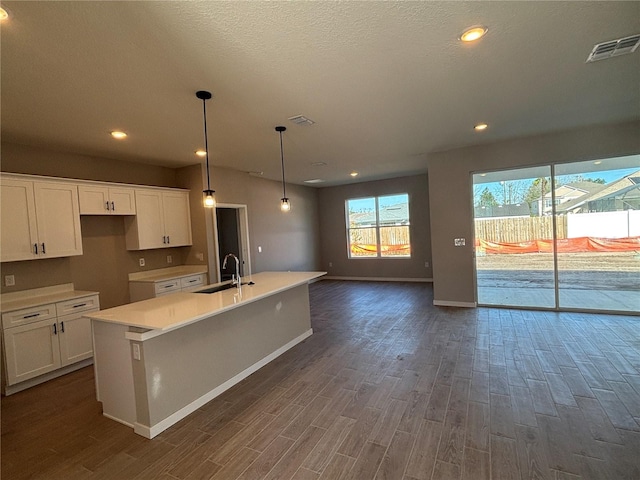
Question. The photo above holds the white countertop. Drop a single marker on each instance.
(40, 296)
(161, 274)
(173, 311)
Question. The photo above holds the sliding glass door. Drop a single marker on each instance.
(514, 238)
(598, 210)
(561, 236)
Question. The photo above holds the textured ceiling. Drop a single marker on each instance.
(385, 82)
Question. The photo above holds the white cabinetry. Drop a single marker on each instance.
(42, 339)
(96, 199)
(40, 219)
(144, 289)
(162, 220)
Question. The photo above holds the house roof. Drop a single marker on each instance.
(515, 210)
(628, 183)
(387, 83)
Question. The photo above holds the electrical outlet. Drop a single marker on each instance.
(200, 256)
(459, 242)
(426, 264)
(141, 261)
(9, 280)
(259, 249)
(169, 259)
(136, 351)
(330, 264)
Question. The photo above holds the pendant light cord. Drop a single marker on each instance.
(284, 191)
(206, 143)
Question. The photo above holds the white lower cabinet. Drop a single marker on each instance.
(143, 290)
(37, 340)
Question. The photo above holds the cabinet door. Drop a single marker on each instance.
(177, 218)
(94, 200)
(146, 229)
(123, 201)
(31, 350)
(74, 333)
(58, 219)
(19, 232)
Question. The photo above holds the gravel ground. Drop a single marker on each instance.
(589, 261)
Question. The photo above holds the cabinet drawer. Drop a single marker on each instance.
(168, 286)
(192, 281)
(28, 315)
(76, 305)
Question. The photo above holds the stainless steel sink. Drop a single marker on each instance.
(217, 288)
(220, 288)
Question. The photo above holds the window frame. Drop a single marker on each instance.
(377, 227)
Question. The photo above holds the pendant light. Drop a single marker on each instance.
(209, 195)
(285, 206)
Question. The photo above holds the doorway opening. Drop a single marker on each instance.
(231, 228)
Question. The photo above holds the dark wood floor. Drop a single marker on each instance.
(388, 387)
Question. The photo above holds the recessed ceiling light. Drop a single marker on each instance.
(3, 14)
(119, 135)
(315, 180)
(201, 153)
(354, 174)
(472, 34)
(480, 127)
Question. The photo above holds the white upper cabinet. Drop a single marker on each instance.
(163, 219)
(103, 200)
(40, 219)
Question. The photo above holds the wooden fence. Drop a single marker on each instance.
(519, 229)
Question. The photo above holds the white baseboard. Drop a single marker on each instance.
(446, 303)
(379, 279)
(150, 432)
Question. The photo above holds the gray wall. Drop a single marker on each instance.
(289, 241)
(333, 230)
(450, 191)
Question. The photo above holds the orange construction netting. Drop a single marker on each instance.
(361, 249)
(564, 245)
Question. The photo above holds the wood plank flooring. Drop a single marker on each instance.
(388, 387)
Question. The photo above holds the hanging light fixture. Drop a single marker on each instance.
(209, 195)
(285, 206)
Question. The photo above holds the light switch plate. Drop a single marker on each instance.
(9, 280)
(459, 242)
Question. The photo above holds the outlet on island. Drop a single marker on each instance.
(169, 259)
(141, 261)
(9, 280)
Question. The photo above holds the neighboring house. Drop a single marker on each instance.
(565, 194)
(389, 216)
(622, 194)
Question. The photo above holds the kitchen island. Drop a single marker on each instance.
(158, 360)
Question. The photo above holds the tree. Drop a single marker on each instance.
(539, 187)
(487, 199)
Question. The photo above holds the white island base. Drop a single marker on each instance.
(180, 368)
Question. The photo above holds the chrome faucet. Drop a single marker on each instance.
(235, 279)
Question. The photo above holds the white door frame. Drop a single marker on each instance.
(243, 223)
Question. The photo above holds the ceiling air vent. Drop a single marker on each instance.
(301, 120)
(614, 48)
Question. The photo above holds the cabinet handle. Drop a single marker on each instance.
(80, 305)
(62, 327)
(32, 315)
(55, 329)
(164, 239)
(168, 241)
(113, 206)
(43, 250)
(35, 248)
(107, 203)
(168, 286)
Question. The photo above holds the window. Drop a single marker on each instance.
(378, 227)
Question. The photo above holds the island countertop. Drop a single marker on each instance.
(169, 312)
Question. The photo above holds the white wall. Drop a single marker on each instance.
(604, 224)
